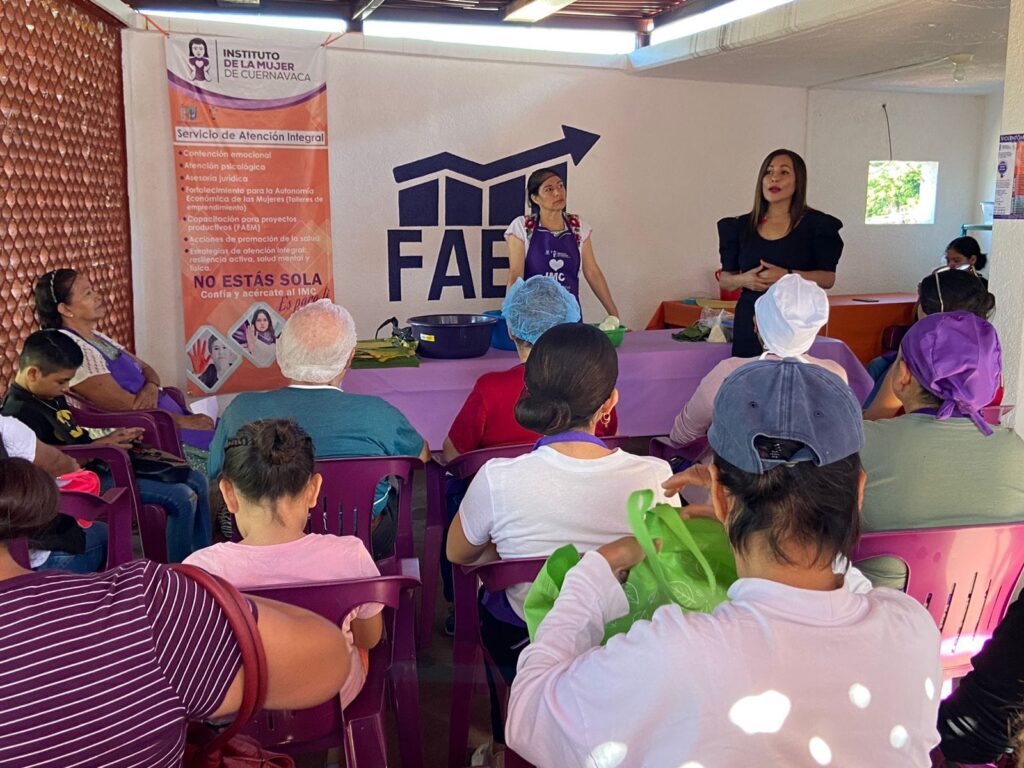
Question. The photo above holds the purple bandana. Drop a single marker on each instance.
(955, 356)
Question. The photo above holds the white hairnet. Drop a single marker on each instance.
(533, 306)
(790, 314)
(316, 342)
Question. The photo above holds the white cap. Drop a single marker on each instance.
(790, 314)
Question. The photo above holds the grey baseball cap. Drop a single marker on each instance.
(787, 400)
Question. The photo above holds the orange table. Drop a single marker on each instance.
(857, 319)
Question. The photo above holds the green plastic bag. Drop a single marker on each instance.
(693, 569)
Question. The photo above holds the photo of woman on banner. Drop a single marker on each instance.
(258, 337)
(211, 359)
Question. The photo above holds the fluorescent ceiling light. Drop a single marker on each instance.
(716, 17)
(533, 38)
(308, 23)
(532, 10)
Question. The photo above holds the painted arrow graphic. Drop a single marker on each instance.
(574, 142)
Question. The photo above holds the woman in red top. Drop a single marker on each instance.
(487, 417)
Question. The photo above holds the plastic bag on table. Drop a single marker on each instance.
(719, 323)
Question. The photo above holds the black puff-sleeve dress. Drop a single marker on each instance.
(813, 244)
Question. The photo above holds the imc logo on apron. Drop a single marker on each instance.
(446, 203)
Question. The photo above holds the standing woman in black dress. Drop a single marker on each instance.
(780, 235)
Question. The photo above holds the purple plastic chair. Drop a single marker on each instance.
(360, 728)
(965, 577)
(468, 649)
(151, 518)
(113, 508)
(463, 467)
(345, 503)
(161, 431)
(663, 448)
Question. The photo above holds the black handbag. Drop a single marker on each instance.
(153, 464)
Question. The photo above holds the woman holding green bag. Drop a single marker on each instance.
(790, 670)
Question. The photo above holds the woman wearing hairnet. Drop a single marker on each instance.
(486, 418)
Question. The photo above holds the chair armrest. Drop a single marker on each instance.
(113, 508)
(116, 458)
(160, 430)
(177, 396)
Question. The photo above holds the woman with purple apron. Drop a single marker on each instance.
(110, 377)
(549, 241)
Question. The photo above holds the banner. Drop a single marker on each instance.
(250, 156)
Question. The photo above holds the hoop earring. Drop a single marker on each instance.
(606, 419)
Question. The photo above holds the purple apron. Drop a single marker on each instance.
(556, 256)
(497, 603)
(128, 374)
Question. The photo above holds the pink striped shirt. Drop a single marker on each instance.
(106, 669)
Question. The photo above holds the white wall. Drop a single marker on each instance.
(846, 130)
(674, 156)
(1008, 235)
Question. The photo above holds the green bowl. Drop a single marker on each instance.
(615, 337)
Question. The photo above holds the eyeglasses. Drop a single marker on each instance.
(938, 286)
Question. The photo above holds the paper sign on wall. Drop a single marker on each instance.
(1009, 200)
(249, 123)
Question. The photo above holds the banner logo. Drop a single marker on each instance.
(448, 199)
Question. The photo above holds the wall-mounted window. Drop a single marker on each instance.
(901, 192)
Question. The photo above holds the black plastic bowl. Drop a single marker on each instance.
(452, 337)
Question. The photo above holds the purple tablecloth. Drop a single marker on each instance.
(657, 375)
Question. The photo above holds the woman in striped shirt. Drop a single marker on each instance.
(107, 669)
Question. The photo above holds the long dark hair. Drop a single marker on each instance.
(569, 374)
(797, 503)
(797, 205)
(270, 326)
(949, 290)
(28, 499)
(52, 290)
(268, 460)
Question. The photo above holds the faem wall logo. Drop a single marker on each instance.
(446, 204)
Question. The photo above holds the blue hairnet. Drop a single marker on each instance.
(533, 306)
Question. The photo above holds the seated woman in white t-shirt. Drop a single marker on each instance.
(802, 666)
(269, 484)
(570, 490)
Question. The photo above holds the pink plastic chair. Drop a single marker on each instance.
(468, 649)
(360, 728)
(463, 467)
(161, 431)
(963, 576)
(151, 518)
(113, 508)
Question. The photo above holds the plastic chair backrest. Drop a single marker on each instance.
(323, 727)
(964, 577)
(152, 519)
(345, 503)
(468, 649)
(113, 508)
(160, 429)
(663, 448)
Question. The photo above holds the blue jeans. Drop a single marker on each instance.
(877, 369)
(90, 561)
(188, 512)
